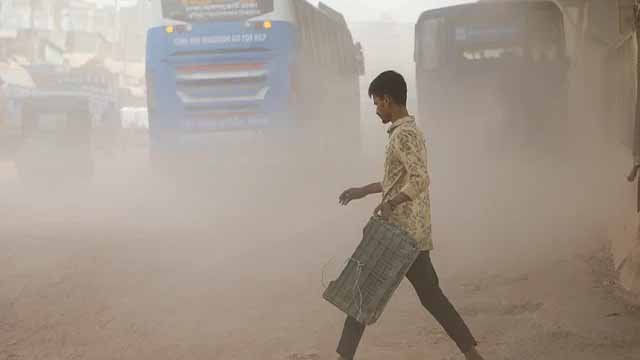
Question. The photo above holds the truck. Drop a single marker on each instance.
(59, 110)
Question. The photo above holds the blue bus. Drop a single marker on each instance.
(268, 66)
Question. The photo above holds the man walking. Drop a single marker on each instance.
(405, 203)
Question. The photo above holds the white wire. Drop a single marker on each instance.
(356, 287)
(357, 291)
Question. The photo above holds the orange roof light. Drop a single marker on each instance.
(267, 24)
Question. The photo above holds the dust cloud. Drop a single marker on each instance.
(223, 255)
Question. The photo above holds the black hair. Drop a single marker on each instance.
(392, 84)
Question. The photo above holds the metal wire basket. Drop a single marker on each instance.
(374, 271)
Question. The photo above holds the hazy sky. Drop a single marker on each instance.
(399, 10)
(367, 10)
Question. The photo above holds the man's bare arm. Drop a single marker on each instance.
(359, 192)
(373, 188)
(399, 199)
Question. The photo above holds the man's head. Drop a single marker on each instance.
(389, 94)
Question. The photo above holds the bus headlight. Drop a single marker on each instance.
(170, 29)
(260, 25)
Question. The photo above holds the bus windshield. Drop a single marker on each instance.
(214, 10)
(473, 33)
(534, 36)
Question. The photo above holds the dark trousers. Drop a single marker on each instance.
(425, 281)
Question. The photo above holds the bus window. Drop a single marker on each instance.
(480, 38)
(323, 46)
(304, 19)
(543, 36)
(429, 53)
(335, 49)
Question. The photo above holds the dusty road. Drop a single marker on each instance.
(119, 271)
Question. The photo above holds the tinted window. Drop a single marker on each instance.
(429, 43)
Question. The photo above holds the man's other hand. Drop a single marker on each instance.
(351, 194)
(383, 210)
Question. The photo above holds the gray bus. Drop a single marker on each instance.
(493, 74)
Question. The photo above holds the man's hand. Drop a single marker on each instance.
(384, 210)
(352, 194)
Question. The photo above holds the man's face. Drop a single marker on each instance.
(383, 108)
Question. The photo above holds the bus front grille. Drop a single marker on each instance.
(214, 86)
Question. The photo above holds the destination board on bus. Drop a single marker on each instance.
(211, 10)
(486, 34)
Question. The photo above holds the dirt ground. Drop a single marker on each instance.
(126, 270)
